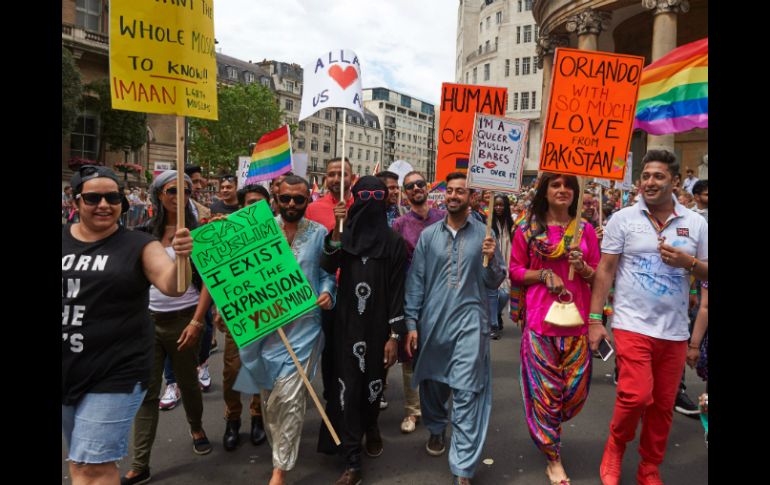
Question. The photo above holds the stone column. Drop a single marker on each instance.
(663, 42)
(546, 46)
(588, 24)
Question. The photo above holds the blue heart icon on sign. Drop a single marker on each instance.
(514, 135)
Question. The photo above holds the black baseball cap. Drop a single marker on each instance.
(88, 172)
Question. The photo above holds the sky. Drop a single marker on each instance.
(404, 45)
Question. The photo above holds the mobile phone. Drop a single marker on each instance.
(605, 349)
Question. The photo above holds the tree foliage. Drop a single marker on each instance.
(121, 130)
(71, 91)
(246, 112)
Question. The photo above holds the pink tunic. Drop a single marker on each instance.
(538, 299)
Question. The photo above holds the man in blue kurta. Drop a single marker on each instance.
(267, 368)
(446, 311)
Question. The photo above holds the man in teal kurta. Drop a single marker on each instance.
(266, 366)
(446, 311)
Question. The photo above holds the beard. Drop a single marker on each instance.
(294, 216)
(460, 209)
(418, 199)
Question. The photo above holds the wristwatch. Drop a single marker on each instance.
(395, 336)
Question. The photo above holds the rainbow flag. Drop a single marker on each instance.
(440, 186)
(674, 91)
(271, 156)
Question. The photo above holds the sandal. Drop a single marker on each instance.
(563, 481)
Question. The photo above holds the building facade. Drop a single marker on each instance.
(648, 28)
(85, 27)
(314, 136)
(496, 46)
(408, 126)
(363, 141)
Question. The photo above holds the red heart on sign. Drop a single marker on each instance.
(344, 78)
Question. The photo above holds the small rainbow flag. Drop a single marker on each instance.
(440, 186)
(673, 94)
(271, 156)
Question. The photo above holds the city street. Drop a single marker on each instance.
(512, 457)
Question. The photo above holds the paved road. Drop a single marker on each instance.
(404, 461)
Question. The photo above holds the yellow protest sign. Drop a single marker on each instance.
(162, 57)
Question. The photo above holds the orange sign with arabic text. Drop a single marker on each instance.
(590, 113)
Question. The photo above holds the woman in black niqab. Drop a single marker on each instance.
(366, 228)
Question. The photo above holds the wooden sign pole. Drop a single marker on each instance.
(310, 389)
(576, 239)
(180, 200)
(490, 216)
(342, 182)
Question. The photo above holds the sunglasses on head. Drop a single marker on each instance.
(298, 199)
(172, 191)
(418, 183)
(93, 198)
(228, 178)
(368, 194)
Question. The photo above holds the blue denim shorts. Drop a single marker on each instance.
(96, 428)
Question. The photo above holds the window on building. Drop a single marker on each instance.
(314, 161)
(376, 140)
(232, 73)
(527, 34)
(499, 17)
(249, 77)
(327, 147)
(360, 138)
(524, 101)
(350, 152)
(486, 72)
(519, 5)
(515, 101)
(290, 86)
(525, 66)
(466, 77)
(368, 138)
(265, 82)
(301, 143)
(352, 135)
(486, 46)
(314, 128)
(289, 105)
(368, 154)
(358, 170)
(488, 21)
(481, 25)
(534, 98)
(475, 77)
(88, 15)
(314, 145)
(327, 115)
(534, 65)
(507, 67)
(495, 43)
(368, 168)
(527, 5)
(375, 156)
(84, 136)
(518, 35)
(359, 153)
(516, 67)
(328, 130)
(479, 49)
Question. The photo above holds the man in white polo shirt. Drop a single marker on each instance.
(650, 249)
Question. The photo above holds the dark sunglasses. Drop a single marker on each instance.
(298, 199)
(172, 192)
(419, 183)
(227, 178)
(93, 198)
(368, 194)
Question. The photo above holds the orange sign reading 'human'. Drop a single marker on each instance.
(459, 105)
(590, 113)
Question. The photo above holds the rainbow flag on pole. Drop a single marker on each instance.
(674, 91)
(271, 156)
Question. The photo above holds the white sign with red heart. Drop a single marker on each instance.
(332, 80)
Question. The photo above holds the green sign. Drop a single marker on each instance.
(249, 268)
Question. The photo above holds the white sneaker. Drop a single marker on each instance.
(204, 378)
(170, 398)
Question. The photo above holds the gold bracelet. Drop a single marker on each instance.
(195, 323)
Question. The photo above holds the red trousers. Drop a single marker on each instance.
(649, 372)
